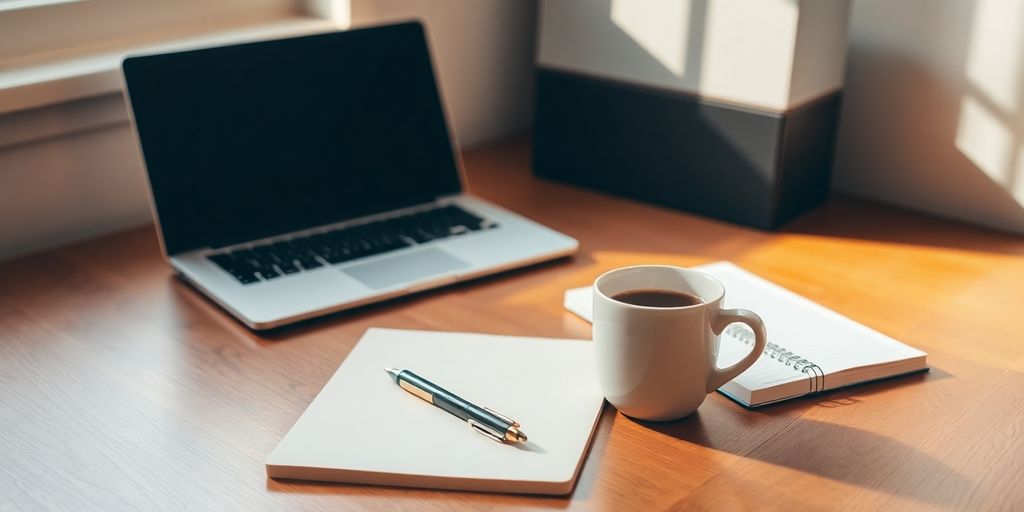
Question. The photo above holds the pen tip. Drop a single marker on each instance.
(521, 437)
(392, 372)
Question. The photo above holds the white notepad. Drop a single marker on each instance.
(362, 428)
(810, 347)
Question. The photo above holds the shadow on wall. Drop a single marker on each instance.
(933, 114)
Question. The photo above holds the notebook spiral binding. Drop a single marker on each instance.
(815, 377)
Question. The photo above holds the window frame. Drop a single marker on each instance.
(65, 50)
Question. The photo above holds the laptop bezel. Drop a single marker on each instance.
(453, 139)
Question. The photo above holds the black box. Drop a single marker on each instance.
(746, 165)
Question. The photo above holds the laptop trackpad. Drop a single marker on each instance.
(407, 268)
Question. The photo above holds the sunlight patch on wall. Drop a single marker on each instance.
(990, 131)
(1017, 190)
(750, 49)
(984, 139)
(993, 60)
(659, 26)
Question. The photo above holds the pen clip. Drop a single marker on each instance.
(486, 430)
(510, 421)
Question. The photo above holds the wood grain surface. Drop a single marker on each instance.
(123, 389)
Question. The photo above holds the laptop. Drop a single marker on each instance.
(302, 176)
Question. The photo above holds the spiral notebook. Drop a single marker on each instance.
(810, 348)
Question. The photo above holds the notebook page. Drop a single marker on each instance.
(826, 338)
(765, 372)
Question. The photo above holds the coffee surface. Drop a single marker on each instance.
(657, 298)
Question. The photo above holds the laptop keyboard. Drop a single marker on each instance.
(273, 260)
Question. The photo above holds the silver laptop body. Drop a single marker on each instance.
(280, 209)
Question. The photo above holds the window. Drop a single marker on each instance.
(70, 27)
(57, 50)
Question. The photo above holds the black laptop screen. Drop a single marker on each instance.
(253, 140)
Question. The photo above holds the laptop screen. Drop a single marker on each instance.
(254, 140)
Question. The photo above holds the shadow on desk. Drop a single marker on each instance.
(393, 305)
(838, 452)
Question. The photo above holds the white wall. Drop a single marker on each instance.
(771, 54)
(483, 53)
(76, 185)
(69, 188)
(933, 113)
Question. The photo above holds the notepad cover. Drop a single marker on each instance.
(362, 428)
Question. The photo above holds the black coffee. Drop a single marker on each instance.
(657, 298)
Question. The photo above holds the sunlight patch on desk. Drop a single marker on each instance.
(1019, 365)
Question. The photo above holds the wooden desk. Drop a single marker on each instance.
(121, 388)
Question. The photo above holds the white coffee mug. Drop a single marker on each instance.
(660, 363)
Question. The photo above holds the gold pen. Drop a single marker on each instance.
(496, 426)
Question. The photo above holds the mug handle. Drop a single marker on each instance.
(719, 376)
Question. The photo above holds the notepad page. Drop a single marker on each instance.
(363, 428)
